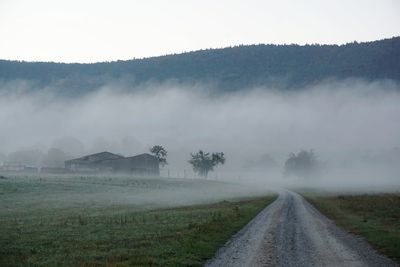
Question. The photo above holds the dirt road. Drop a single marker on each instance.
(290, 232)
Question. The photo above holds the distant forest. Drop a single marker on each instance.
(228, 69)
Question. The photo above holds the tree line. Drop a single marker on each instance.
(302, 164)
(202, 162)
(227, 69)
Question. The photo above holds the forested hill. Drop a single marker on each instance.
(227, 69)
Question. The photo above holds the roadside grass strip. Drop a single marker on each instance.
(376, 217)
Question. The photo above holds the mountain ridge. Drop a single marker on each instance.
(227, 69)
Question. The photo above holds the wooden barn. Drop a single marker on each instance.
(106, 162)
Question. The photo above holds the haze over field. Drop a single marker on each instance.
(255, 80)
(350, 124)
(200, 133)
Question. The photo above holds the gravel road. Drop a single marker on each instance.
(291, 232)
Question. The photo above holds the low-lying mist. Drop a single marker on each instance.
(352, 126)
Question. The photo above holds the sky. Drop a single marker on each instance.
(92, 31)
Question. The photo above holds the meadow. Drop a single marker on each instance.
(120, 221)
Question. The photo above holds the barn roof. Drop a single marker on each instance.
(144, 155)
(98, 157)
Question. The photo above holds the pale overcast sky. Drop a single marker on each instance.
(90, 31)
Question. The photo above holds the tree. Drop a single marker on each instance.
(203, 163)
(55, 158)
(160, 153)
(30, 157)
(304, 164)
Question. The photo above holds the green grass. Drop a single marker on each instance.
(110, 222)
(184, 236)
(39, 196)
(376, 217)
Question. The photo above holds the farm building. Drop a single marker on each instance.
(143, 164)
(12, 166)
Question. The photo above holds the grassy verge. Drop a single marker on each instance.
(185, 236)
(375, 217)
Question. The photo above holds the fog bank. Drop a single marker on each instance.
(344, 122)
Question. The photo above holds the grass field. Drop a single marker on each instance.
(376, 217)
(100, 221)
